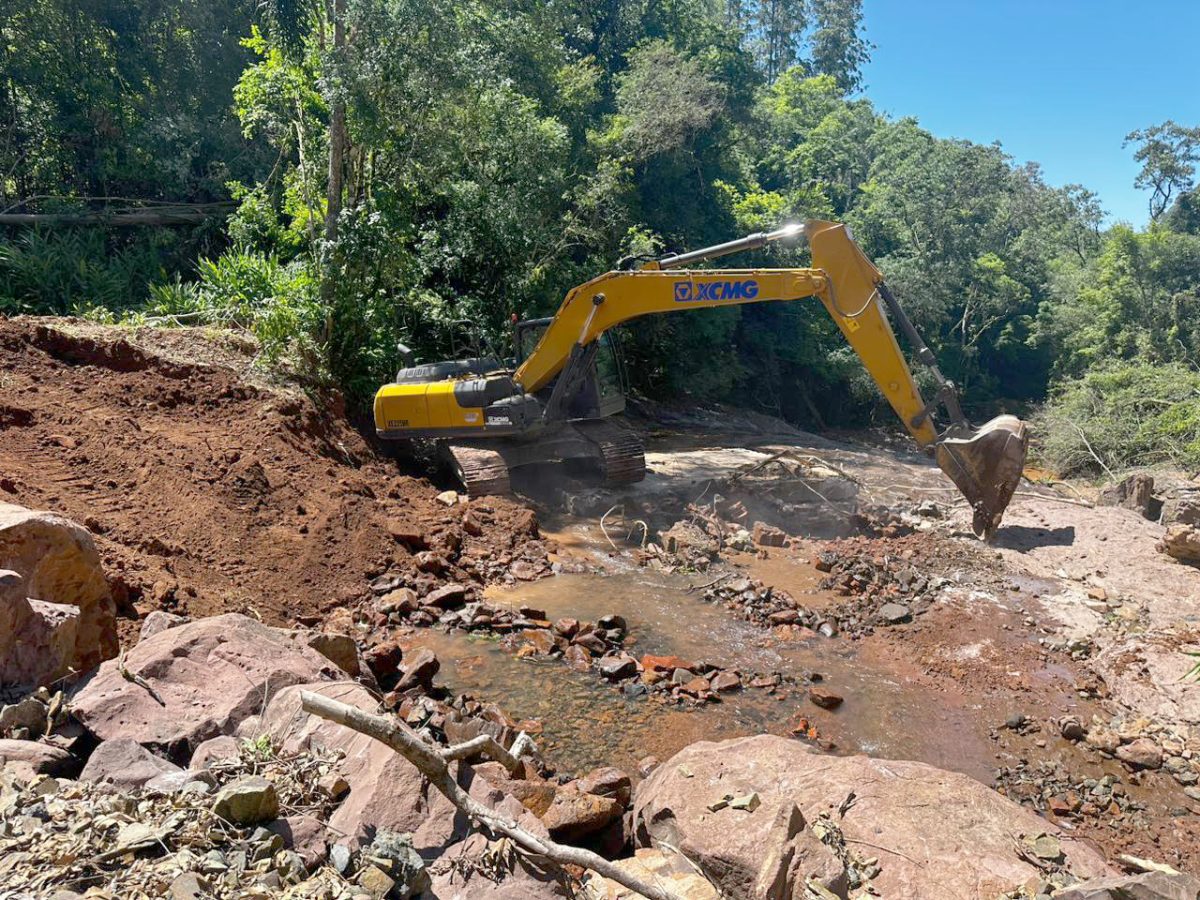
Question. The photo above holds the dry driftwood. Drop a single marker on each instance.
(434, 765)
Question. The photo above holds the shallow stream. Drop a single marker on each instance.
(587, 722)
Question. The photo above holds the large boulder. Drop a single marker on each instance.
(938, 835)
(38, 640)
(58, 560)
(203, 679)
(386, 791)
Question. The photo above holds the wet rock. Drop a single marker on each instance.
(160, 620)
(1142, 753)
(209, 675)
(688, 539)
(608, 781)
(613, 622)
(27, 759)
(568, 628)
(668, 664)
(249, 800)
(577, 658)
(124, 763)
(1147, 886)
(796, 785)
(540, 639)
(419, 670)
(574, 814)
(617, 666)
(894, 613)
(768, 535)
(824, 698)
(1072, 729)
(58, 562)
(384, 659)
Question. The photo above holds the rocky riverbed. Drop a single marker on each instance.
(780, 668)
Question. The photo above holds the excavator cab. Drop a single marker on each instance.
(602, 392)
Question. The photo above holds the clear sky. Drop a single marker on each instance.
(1059, 82)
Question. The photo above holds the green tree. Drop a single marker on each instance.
(1168, 154)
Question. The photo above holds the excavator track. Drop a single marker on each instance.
(621, 454)
(481, 471)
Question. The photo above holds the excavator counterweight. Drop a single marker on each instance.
(554, 405)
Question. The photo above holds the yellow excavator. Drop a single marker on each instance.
(556, 400)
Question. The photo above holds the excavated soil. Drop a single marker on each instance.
(209, 490)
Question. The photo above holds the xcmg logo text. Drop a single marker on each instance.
(689, 291)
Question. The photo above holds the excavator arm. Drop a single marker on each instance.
(985, 465)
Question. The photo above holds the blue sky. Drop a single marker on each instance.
(1059, 82)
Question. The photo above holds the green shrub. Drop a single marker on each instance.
(1124, 414)
(245, 289)
(63, 272)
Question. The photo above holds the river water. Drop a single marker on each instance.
(587, 722)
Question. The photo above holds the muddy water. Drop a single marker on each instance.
(588, 723)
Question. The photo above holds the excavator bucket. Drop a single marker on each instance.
(986, 467)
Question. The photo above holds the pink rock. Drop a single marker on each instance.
(125, 764)
(386, 791)
(39, 641)
(210, 675)
(58, 561)
(225, 747)
(963, 848)
(25, 759)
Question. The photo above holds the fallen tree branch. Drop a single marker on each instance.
(485, 743)
(430, 763)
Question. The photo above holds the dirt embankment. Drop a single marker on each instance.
(208, 492)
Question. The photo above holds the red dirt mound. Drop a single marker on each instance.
(208, 493)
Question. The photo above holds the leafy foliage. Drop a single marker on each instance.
(1123, 415)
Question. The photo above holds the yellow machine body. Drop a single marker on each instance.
(430, 407)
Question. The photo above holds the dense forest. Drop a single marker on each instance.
(341, 176)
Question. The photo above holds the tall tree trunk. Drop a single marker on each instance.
(337, 133)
